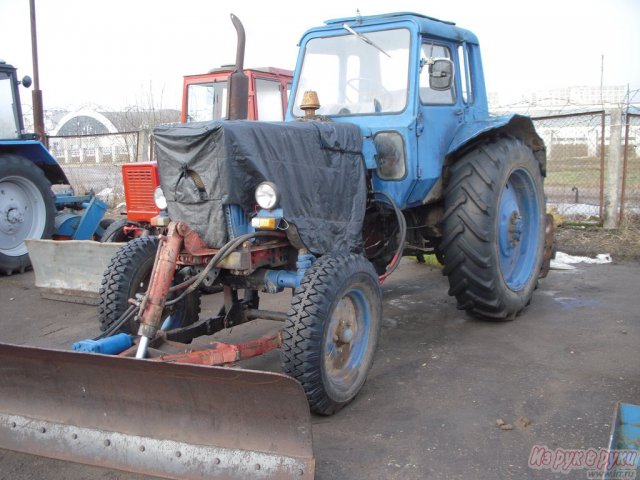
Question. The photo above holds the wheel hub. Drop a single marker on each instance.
(11, 218)
(342, 333)
(518, 228)
(515, 228)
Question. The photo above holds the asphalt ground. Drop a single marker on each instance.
(441, 381)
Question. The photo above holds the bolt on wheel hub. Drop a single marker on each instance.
(515, 228)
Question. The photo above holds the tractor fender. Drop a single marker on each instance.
(471, 133)
(36, 152)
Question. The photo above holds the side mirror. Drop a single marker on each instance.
(26, 81)
(441, 74)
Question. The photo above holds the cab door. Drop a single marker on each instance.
(439, 114)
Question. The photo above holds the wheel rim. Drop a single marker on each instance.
(518, 228)
(346, 339)
(22, 214)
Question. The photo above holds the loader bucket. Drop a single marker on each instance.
(70, 270)
(154, 418)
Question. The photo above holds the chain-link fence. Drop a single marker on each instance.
(93, 162)
(576, 152)
(630, 194)
(577, 155)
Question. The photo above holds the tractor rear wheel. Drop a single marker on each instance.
(129, 273)
(331, 333)
(494, 228)
(27, 210)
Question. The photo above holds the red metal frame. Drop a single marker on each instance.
(225, 353)
(281, 75)
(180, 236)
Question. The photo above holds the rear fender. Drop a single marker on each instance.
(471, 133)
(35, 152)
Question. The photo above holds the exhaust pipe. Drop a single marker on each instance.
(238, 107)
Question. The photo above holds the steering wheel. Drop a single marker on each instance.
(376, 91)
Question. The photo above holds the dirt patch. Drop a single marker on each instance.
(622, 243)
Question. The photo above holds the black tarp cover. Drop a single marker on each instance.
(317, 167)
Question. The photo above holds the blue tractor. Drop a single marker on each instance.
(388, 149)
(28, 207)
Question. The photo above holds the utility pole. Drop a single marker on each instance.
(38, 110)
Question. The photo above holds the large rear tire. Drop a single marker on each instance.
(331, 333)
(27, 210)
(493, 229)
(129, 273)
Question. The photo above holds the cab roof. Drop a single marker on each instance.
(426, 25)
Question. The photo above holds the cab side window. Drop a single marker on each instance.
(429, 52)
(465, 74)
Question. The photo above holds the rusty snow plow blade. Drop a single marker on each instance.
(70, 270)
(155, 418)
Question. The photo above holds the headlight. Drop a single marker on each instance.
(159, 198)
(267, 195)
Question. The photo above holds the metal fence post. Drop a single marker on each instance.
(602, 165)
(143, 146)
(614, 172)
(625, 162)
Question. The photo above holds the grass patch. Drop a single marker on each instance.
(429, 259)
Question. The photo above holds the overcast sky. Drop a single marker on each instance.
(112, 53)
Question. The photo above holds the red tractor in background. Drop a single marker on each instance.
(204, 98)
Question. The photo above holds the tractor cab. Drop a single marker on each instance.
(205, 96)
(396, 76)
(11, 126)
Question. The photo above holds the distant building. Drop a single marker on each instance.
(88, 135)
(596, 96)
(563, 100)
(580, 135)
(92, 122)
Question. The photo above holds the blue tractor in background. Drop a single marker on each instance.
(28, 206)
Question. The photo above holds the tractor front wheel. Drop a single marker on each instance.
(27, 210)
(331, 333)
(494, 229)
(128, 274)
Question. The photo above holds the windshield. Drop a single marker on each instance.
(353, 76)
(8, 120)
(206, 101)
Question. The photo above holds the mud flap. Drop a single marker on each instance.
(154, 418)
(70, 270)
(549, 245)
